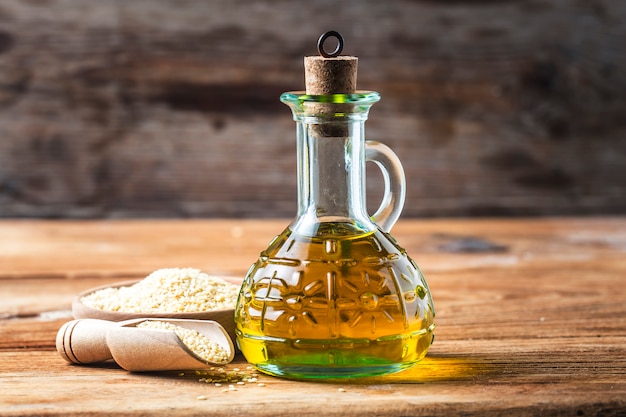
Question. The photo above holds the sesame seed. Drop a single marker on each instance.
(201, 397)
(170, 290)
(198, 343)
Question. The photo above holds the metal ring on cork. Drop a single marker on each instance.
(322, 39)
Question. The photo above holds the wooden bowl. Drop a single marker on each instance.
(224, 317)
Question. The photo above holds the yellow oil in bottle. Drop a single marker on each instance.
(337, 304)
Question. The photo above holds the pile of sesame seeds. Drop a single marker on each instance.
(203, 347)
(170, 290)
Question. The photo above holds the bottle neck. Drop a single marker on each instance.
(331, 176)
(331, 162)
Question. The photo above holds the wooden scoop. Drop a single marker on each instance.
(137, 349)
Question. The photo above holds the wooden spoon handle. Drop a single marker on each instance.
(84, 341)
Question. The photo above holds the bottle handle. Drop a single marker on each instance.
(395, 184)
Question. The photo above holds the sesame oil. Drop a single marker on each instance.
(334, 305)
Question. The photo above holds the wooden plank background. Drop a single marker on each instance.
(116, 108)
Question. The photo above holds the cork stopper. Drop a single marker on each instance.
(330, 73)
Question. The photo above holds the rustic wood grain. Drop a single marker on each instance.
(170, 108)
(530, 313)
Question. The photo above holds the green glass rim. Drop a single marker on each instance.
(360, 97)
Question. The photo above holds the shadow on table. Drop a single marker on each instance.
(434, 369)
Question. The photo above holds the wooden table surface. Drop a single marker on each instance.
(531, 317)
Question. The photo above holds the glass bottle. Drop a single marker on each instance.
(334, 295)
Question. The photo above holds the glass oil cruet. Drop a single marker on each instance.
(334, 295)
